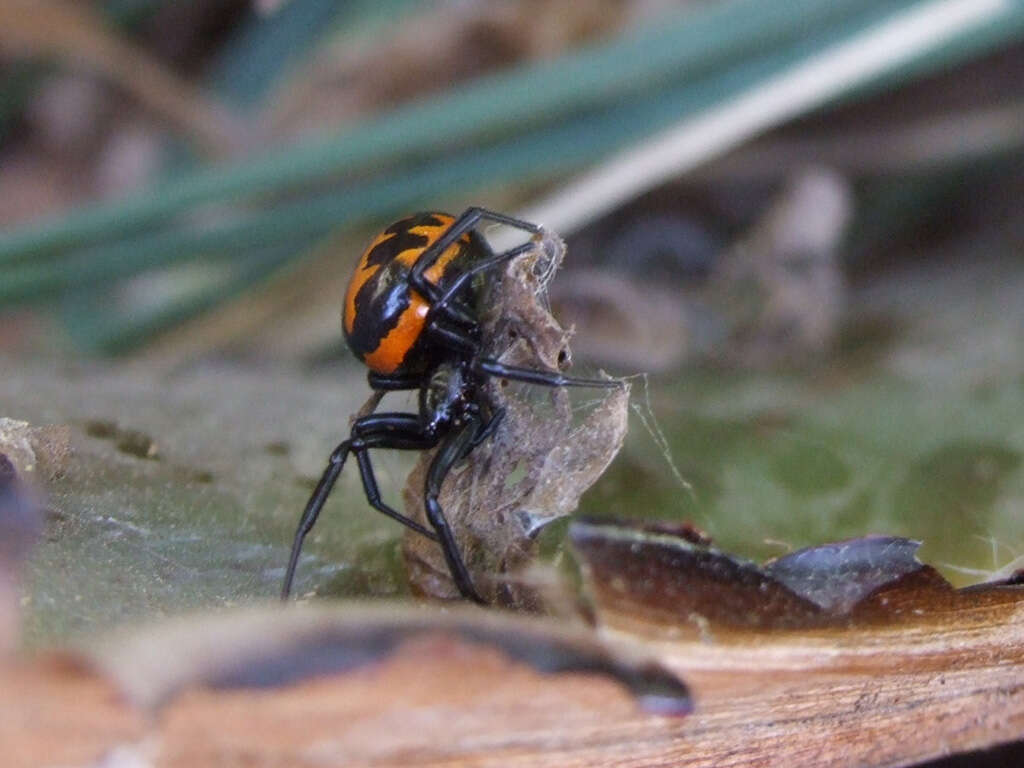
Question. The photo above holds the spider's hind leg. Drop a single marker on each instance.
(400, 431)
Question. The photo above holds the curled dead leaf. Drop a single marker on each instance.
(268, 649)
(539, 461)
(639, 573)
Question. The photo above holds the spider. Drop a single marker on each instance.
(409, 315)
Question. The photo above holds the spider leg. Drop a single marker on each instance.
(454, 447)
(459, 340)
(380, 430)
(453, 338)
(455, 311)
(309, 515)
(486, 429)
(466, 221)
(393, 382)
(443, 301)
(402, 431)
(538, 376)
(373, 494)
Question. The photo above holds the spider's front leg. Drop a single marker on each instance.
(443, 298)
(466, 222)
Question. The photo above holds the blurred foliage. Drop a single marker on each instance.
(534, 122)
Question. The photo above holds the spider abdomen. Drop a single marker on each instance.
(384, 317)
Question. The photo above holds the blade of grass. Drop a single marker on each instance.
(863, 58)
(115, 331)
(541, 154)
(688, 45)
(265, 47)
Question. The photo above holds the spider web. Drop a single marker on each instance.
(541, 459)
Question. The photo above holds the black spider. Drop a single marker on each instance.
(409, 316)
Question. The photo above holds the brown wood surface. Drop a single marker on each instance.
(876, 697)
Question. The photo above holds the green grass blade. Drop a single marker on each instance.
(687, 45)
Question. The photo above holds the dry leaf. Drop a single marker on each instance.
(539, 461)
(63, 714)
(401, 686)
(846, 654)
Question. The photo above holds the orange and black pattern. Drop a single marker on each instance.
(383, 318)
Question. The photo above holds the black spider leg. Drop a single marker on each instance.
(486, 429)
(466, 221)
(448, 313)
(443, 301)
(445, 315)
(393, 382)
(538, 376)
(381, 430)
(461, 341)
(453, 448)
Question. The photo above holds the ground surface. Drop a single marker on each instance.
(915, 429)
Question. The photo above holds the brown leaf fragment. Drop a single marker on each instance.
(56, 712)
(539, 461)
(666, 578)
(895, 668)
(342, 685)
(268, 649)
(419, 688)
(838, 576)
(439, 698)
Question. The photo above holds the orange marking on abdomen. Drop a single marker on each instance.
(392, 349)
(362, 274)
(435, 273)
(388, 355)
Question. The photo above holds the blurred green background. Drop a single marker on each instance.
(802, 220)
